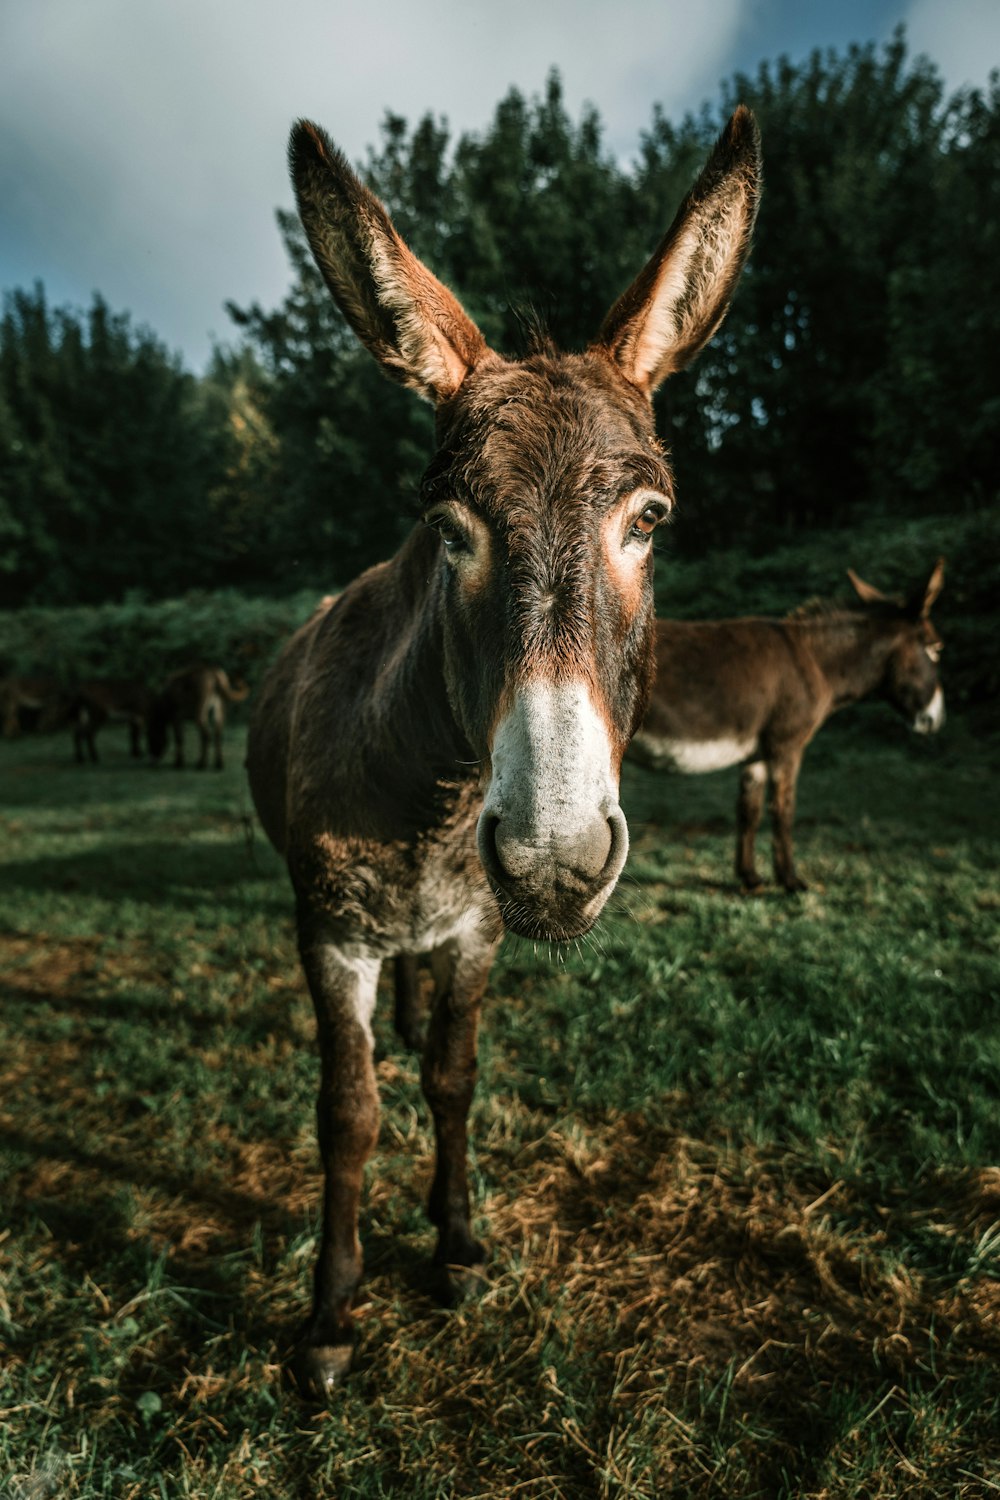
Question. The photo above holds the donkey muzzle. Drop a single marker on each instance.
(554, 890)
(930, 718)
(552, 837)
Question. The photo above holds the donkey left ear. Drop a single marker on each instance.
(410, 321)
(866, 592)
(923, 599)
(679, 299)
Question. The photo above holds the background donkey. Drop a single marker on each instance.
(107, 701)
(755, 691)
(197, 693)
(437, 751)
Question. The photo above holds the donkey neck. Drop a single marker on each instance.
(409, 741)
(851, 649)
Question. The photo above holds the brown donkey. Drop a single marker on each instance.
(199, 694)
(107, 701)
(754, 692)
(32, 703)
(437, 751)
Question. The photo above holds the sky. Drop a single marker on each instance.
(142, 142)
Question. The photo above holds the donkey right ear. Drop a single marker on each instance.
(926, 596)
(413, 325)
(678, 301)
(866, 592)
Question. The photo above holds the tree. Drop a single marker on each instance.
(101, 457)
(853, 370)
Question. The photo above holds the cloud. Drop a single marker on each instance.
(962, 37)
(143, 145)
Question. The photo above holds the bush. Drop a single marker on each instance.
(148, 640)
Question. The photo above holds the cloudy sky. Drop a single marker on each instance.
(142, 142)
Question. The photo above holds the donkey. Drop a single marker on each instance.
(753, 692)
(198, 693)
(33, 703)
(103, 701)
(437, 751)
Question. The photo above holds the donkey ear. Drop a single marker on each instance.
(923, 600)
(867, 592)
(413, 325)
(679, 299)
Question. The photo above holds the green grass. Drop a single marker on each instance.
(736, 1159)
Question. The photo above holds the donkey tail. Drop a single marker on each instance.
(233, 694)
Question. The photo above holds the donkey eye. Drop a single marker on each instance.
(452, 536)
(643, 526)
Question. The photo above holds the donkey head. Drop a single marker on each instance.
(910, 681)
(546, 488)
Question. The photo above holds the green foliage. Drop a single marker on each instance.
(853, 372)
(148, 640)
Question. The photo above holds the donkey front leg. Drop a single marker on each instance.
(749, 809)
(406, 1013)
(343, 993)
(784, 775)
(448, 1076)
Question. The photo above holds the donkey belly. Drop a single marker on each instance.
(690, 757)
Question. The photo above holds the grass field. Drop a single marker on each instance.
(736, 1159)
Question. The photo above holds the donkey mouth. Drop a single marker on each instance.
(525, 920)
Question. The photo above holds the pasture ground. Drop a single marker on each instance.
(736, 1158)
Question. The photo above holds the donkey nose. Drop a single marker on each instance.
(553, 886)
(581, 853)
(931, 717)
(572, 862)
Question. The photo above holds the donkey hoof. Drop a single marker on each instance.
(414, 1039)
(795, 884)
(466, 1283)
(751, 883)
(320, 1369)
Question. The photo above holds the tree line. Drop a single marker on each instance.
(856, 374)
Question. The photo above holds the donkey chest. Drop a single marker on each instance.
(399, 895)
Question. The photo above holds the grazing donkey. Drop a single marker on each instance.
(753, 692)
(30, 703)
(103, 701)
(200, 694)
(437, 751)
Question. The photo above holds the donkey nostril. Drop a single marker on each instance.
(515, 856)
(487, 838)
(617, 850)
(591, 849)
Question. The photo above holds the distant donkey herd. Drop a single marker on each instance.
(437, 752)
(197, 694)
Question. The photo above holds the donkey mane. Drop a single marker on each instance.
(836, 612)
